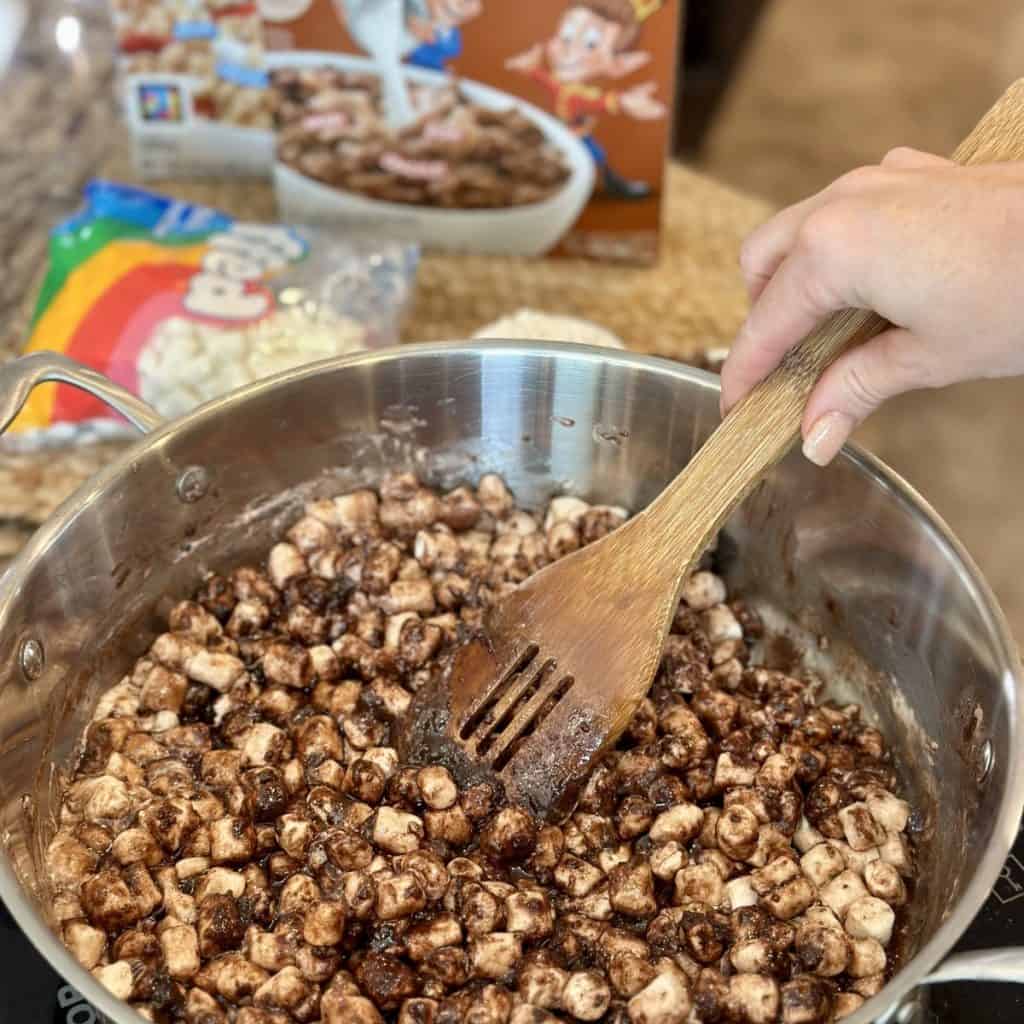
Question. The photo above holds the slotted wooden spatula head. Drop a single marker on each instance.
(557, 672)
(564, 661)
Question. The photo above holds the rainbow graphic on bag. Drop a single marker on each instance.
(130, 261)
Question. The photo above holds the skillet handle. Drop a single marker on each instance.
(1005, 965)
(20, 376)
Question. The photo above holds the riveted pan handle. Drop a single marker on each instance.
(20, 376)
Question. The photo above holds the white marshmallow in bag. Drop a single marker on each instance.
(186, 363)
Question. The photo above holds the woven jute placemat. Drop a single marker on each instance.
(691, 300)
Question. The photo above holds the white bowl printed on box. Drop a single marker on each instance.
(528, 230)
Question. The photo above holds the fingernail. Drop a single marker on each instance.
(828, 434)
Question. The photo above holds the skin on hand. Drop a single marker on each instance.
(454, 12)
(445, 13)
(584, 47)
(935, 248)
(423, 30)
(639, 102)
(528, 61)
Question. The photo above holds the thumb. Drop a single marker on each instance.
(856, 384)
(905, 158)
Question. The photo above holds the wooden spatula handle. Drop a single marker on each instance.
(999, 136)
(765, 425)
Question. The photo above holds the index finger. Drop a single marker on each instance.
(808, 286)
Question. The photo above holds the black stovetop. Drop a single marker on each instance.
(32, 992)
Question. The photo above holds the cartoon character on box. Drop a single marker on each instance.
(436, 25)
(594, 41)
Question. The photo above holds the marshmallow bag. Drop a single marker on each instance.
(180, 304)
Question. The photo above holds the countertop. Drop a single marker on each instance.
(60, 127)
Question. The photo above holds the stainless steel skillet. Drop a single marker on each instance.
(850, 553)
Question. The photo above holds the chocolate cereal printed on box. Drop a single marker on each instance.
(550, 121)
(331, 125)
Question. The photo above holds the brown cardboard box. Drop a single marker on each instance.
(573, 166)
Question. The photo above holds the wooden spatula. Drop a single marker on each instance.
(564, 661)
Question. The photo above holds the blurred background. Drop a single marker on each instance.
(782, 96)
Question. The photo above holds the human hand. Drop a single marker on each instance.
(935, 248)
(639, 102)
(422, 29)
(526, 62)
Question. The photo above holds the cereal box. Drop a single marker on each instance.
(194, 87)
(530, 128)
